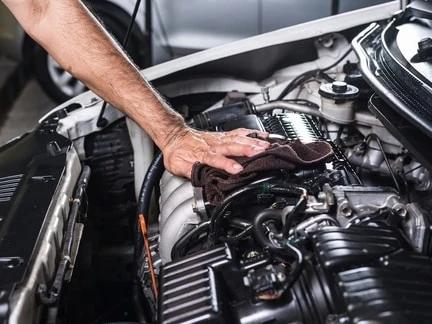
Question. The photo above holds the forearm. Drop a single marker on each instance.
(77, 41)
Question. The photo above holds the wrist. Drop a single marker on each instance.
(171, 134)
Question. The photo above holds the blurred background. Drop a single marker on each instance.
(32, 83)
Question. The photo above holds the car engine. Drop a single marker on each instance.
(321, 244)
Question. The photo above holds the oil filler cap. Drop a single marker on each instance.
(339, 90)
(339, 87)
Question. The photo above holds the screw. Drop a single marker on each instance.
(281, 276)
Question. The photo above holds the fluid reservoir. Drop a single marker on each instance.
(337, 101)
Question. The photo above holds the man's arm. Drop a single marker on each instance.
(68, 31)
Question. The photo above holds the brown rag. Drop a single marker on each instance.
(218, 183)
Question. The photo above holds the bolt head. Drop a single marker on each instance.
(339, 86)
(281, 276)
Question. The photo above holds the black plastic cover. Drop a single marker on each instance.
(386, 60)
(398, 292)
(339, 248)
(31, 169)
(248, 121)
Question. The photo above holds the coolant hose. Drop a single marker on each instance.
(258, 222)
(153, 175)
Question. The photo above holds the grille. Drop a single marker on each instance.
(188, 291)
(8, 186)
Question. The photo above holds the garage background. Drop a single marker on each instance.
(32, 83)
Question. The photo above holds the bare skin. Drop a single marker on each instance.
(69, 32)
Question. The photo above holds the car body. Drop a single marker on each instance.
(366, 247)
(187, 30)
(12, 35)
(197, 25)
(178, 28)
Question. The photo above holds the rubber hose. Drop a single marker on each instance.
(153, 175)
(262, 217)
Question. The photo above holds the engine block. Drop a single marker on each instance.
(222, 285)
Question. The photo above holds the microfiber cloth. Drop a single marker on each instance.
(283, 155)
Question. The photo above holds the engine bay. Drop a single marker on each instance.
(332, 224)
(316, 245)
(329, 242)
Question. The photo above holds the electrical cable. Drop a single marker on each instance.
(101, 120)
(300, 79)
(296, 82)
(304, 102)
(221, 208)
(360, 219)
(338, 140)
(238, 236)
(340, 59)
(297, 268)
(392, 174)
(413, 169)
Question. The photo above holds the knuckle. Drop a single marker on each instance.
(203, 157)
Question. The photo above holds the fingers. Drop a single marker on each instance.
(246, 132)
(241, 136)
(221, 162)
(245, 141)
(238, 149)
(239, 145)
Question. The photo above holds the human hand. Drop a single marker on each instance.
(189, 146)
